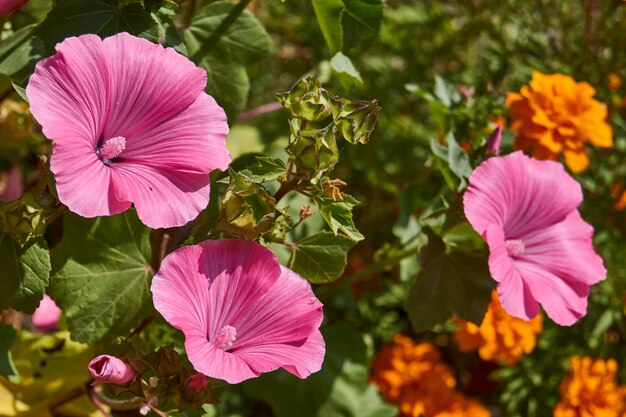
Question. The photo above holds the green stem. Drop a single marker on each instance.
(221, 29)
(129, 404)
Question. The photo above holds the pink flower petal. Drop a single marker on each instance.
(163, 198)
(192, 141)
(216, 363)
(299, 358)
(179, 279)
(89, 194)
(565, 250)
(46, 316)
(148, 84)
(515, 296)
(68, 92)
(521, 194)
(268, 321)
(564, 302)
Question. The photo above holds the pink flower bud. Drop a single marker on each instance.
(197, 382)
(494, 141)
(46, 317)
(110, 370)
(8, 6)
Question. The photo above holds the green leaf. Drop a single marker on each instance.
(266, 169)
(339, 389)
(449, 283)
(7, 367)
(25, 273)
(103, 17)
(225, 56)
(345, 70)
(338, 215)
(101, 275)
(321, 258)
(20, 91)
(164, 31)
(360, 20)
(344, 23)
(453, 162)
(328, 13)
(20, 52)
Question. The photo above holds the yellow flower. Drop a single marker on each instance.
(591, 391)
(555, 115)
(414, 377)
(500, 337)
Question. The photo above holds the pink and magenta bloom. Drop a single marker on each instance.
(131, 124)
(107, 369)
(541, 249)
(242, 312)
(46, 316)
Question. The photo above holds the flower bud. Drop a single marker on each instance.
(307, 100)
(46, 316)
(355, 120)
(197, 382)
(111, 370)
(494, 141)
(313, 150)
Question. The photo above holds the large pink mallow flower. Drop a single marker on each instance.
(540, 248)
(242, 313)
(131, 124)
(8, 6)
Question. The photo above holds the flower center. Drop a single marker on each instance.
(514, 247)
(111, 149)
(225, 337)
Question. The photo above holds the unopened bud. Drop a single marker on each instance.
(305, 212)
(111, 370)
(197, 382)
(494, 142)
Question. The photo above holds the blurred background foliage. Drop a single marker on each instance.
(435, 66)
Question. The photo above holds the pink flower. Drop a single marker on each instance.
(110, 370)
(131, 125)
(197, 383)
(46, 316)
(540, 248)
(242, 313)
(8, 6)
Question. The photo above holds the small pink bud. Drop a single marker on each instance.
(494, 141)
(110, 370)
(197, 382)
(46, 317)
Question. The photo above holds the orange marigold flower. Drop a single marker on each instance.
(615, 82)
(555, 115)
(500, 337)
(591, 390)
(414, 377)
